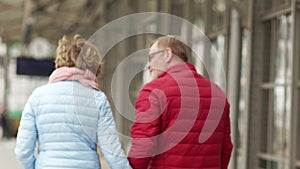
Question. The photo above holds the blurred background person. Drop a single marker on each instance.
(5, 123)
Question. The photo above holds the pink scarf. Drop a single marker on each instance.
(85, 77)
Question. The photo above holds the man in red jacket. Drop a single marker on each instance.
(182, 119)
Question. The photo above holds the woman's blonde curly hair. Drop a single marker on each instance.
(78, 52)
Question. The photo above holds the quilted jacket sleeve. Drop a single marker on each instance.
(145, 129)
(26, 138)
(227, 143)
(109, 140)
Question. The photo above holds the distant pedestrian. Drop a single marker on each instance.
(5, 123)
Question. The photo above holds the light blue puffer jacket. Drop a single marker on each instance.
(68, 120)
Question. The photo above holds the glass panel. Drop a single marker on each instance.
(199, 6)
(280, 122)
(265, 164)
(282, 93)
(283, 60)
(279, 3)
(262, 164)
(268, 4)
(217, 61)
(198, 13)
(276, 4)
(273, 165)
(151, 5)
(218, 13)
(196, 59)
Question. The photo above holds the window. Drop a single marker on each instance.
(215, 54)
(276, 138)
(218, 10)
(273, 5)
(217, 62)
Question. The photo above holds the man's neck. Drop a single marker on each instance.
(175, 62)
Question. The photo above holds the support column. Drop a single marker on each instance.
(293, 149)
(234, 83)
(4, 56)
(259, 71)
(207, 29)
(165, 7)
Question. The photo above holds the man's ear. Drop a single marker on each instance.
(169, 55)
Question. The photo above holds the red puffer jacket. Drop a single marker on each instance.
(182, 121)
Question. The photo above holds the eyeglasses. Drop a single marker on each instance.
(150, 56)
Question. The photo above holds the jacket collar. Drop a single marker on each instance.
(181, 67)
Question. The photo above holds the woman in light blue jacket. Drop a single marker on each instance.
(69, 116)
